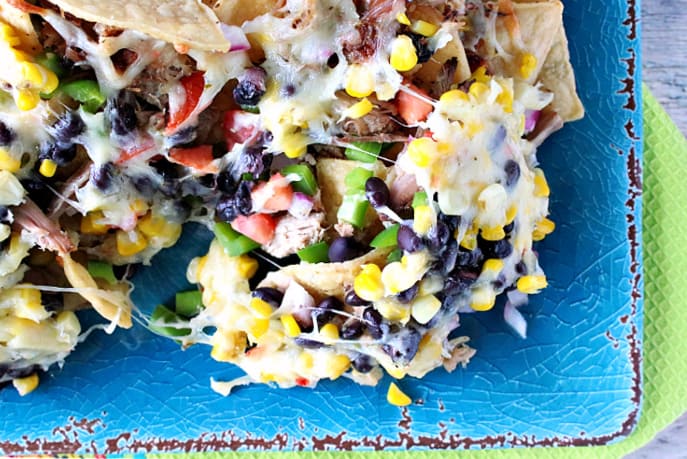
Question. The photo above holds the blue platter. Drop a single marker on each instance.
(574, 381)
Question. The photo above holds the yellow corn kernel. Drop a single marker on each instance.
(246, 266)
(505, 99)
(396, 397)
(423, 218)
(532, 284)
(8, 162)
(359, 109)
(330, 332)
(478, 89)
(290, 325)
(493, 233)
(26, 385)
(424, 28)
(403, 55)
(368, 283)
(421, 150)
(403, 19)
(469, 241)
(453, 96)
(48, 168)
(360, 81)
(28, 305)
(304, 362)
(395, 278)
(32, 74)
(511, 213)
(140, 207)
(338, 366)
(527, 65)
(294, 145)
(396, 372)
(90, 223)
(480, 75)
(430, 284)
(259, 327)
(8, 35)
(493, 264)
(51, 82)
(27, 99)
(542, 229)
(483, 299)
(541, 187)
(425, 307)
(261, 308)
(130, 242)
(394, 311)
(473, 127)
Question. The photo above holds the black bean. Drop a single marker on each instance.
(352, 329)
(67, 128)
(403, 346)
(469, 258)
(495, 249)
(509, 227)
(323, 312)
(375, 323)
(4, 215)
(253, 160)
(344, 249)
(230, 207)
(143, 184)
(354, 300)
(165, 169)
(308, 343)
(37, 190)
(452, 221)
(251, 87)
(498, 138)
(449, 256)
(62, 154)
(333, 61)
(438, 236)
(376, 192)
(183, 136)
(408, 295)
(102, 176)
(51, 301)
(422, 50)
(226, 182)
(521, 268)
(7, 135)
(268, 295)
(408, 240)
(121, 112)
(181, 211)
(512, 172)
(23, 372)
(363, 363)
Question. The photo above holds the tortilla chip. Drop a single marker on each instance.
(235, 12)
(21, 22)
(557, 75)
(453, 49)
(326, 279)
(184, 23)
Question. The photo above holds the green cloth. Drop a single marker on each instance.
(665, 310)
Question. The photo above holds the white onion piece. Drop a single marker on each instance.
(513, 318)
(236, 37)
(297, 301)
(301, 205)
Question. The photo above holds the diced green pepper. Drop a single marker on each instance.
(353, 209)
(315, 253)
(366, 152)
(101, 270)
(162, 315)
(419, 199)
(250, 108)
(86, 92)
(387, 238)
(233, 242)
(51, 61)
(188, 304)
(395, 255)
(356, 178)
(307, 183)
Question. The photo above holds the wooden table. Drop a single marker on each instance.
(664, 49)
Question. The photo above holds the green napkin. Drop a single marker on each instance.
(665, 311)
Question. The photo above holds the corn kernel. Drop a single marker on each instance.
(505, 99)
(473, 127)
(483, 299)
(396, 397)
(8, 162)
(130, 242)
(403, 55)
(359, 109)
(403, 19)
(478, 89)
(139, 206)
(27, 99)
(330, 332)
(528, 65)
(48, 168)
(493, 264)
(26, 385)
(246, 266)
(338, 366)
(453, 96)
(8, 35)
(368, 283)
(480, 75)
(423, 218)
(424, 28)
(541, 187)
(532, 284)
(261, 308)
(32, 74)
(392, 310)
(425, 307)
(430, 284)
(259, 327)
(396, 279)
(360, 81)
(290, 325)
(493, 233)
(420, 151)
(28, 305)
(542, 229)
(90, 223)
(304, 362)
(511, 213)
(469, 241)
(396, 372)
(51, 82)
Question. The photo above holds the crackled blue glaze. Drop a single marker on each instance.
(574, 380)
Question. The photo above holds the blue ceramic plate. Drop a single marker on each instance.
(574, 381)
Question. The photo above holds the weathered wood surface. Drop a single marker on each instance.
(664, 48)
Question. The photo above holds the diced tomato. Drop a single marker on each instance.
(413, 109)
(239, 126)
(193, 86)
(259, 227)
(199, 158)
(301, 381)
(274, 195)
(141, 145)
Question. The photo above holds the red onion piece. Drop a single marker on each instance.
(302, 205)
(531, 118)
(236, 37)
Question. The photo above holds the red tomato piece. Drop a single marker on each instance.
(259, 227)
(275, 195)
(239, 126)
(411, 108)
(199, 158)
(193, 85)
(301, 381)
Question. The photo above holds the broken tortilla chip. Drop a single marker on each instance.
(184, 23)
(235, 12)
(21, 23)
